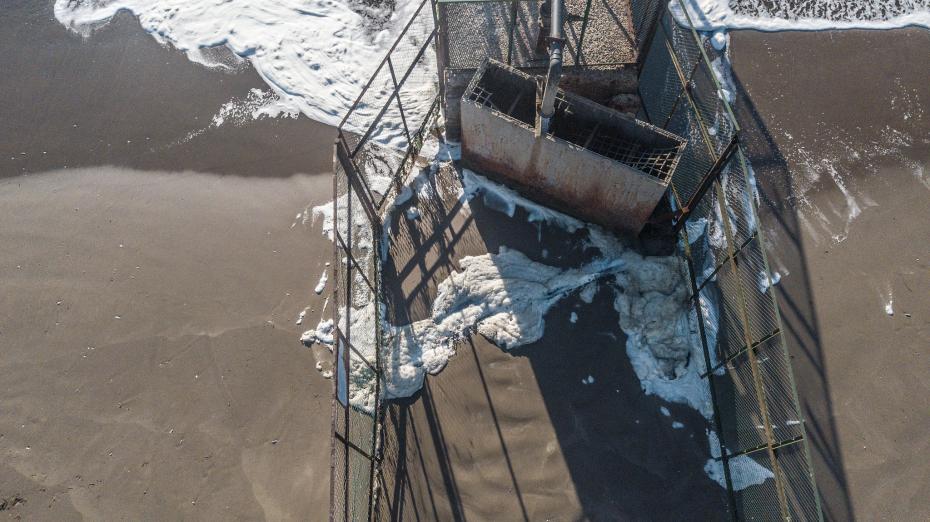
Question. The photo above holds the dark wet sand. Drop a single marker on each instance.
(857, 102)
(151, 367)
(515, 435)
(119, 98)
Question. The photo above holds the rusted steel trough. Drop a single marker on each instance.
(594, 162)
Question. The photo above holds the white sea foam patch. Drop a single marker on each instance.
(744, 471)
(255, 105)
(505, 296)
(802, 15)
(315, 54)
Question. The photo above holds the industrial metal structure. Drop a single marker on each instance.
(599, 50)
(711, 192)
(587, 159)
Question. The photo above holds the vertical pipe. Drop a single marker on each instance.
(554, 74)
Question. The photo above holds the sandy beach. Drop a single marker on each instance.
(159, 259)
(151, 365)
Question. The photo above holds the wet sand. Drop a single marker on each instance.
(151, 366)
(516, 435)
(838, 132)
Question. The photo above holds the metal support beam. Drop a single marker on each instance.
(709, 177)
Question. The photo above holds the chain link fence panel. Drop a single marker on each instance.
(376, 148)
(598, 33)
(682, 86)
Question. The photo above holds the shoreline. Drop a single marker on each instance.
(119, 98)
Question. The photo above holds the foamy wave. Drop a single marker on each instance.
(315, 54)
(802, 15)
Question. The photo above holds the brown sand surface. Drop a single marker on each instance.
(515, 435)
(150, 367)
(838, 132)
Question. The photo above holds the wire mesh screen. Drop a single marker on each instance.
(376, 148)
(598, 33)
(683, 88)
(475, 30)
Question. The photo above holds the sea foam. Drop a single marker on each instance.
(802, 15)
(316, 55)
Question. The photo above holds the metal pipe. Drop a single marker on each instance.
(554, 73)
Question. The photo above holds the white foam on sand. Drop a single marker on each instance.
(889, 302)
(505, 296)
(316, 55)
(321, 284)
(322, 334)
(802, 15)
(502, 296)
(257, 104)
(744, 471)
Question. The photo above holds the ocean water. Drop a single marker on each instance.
(830, 10)
(804, 15)
(316, 55)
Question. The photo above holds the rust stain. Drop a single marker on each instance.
(571, 179)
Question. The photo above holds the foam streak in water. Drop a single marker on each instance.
(315, 54)
(802, 15)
